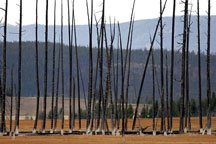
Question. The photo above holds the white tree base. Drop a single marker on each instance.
(141, 134)
(165, 133)
(154, 133)
(117, 133)
(1, 134)
(103, 132)
(185, 130)
(34, 131)
(70, 131)
(62, 132)
(51, 131)
(43, 131)
(209, 132)
(201, 131)
(17, 131)
(113, 132)
(96, 132)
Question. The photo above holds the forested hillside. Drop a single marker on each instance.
(137, 65)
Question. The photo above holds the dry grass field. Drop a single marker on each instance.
(136, 139)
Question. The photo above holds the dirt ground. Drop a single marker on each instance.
(136, 139)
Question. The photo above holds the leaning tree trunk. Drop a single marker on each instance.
(3, 128)
(145, 70)
(161, 68)
(53, 69)
(62, 69)
(208, 71)
(45, 69)
(19, 72)
(183, 68)
(37, 71)
(199, 70)
(153, 92)
(172, 66)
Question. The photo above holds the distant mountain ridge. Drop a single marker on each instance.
(143, 29)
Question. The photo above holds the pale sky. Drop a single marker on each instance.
(118, 9)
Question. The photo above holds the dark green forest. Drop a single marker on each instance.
(137, 64)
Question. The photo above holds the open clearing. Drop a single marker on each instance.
(57, 139)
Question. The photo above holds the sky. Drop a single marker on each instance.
(116, 9)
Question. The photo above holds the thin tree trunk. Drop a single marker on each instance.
(122, 83)
(3, 128)
(77, 68)
(145, 69)
(199, 70)
(172, 66)
(161, 68)
(1, 104)
(57, 88)
(53, 69)
(37, 71)
(101, 67)
(73, 114)
(90, 66)
(45, 69)
(128, 75)
(208, 71)
(11, 106)
(167, 95)
(153, 92)
(183, 68)
(62, 68)
(19, 72)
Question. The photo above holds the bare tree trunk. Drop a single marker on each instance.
(153, 92)
(1, 104)
(77, 68)
(57, 88)
(45, 69)
(128, 75)
(145, 69)
(53, 69)
(172, 66)
(122, 82)
(90, 66)
(19, 72)
(62, 68)
(37, 71)
(3, 128)
(101, 68)
(208, 71)
(11, 103)
(199, 69)
(167, 95)
(161, 68)
(183, 68)
(73, 114)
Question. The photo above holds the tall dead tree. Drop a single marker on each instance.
(70, 67)
(77, 69)
(37, 71)
(101, 66)
(153, 92)
(172, 66)
(53, 69)
(161, 68)
(57, 88)
(3, 128)
(199, 69)
(145, 69)
(19, 72)
(1, 100)
(90, 23)
(183, 68)
(45, 69)
(73, 114)
(187, 107)
(11, 103)
(208, 71)
(167, 95)
(62, 68)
